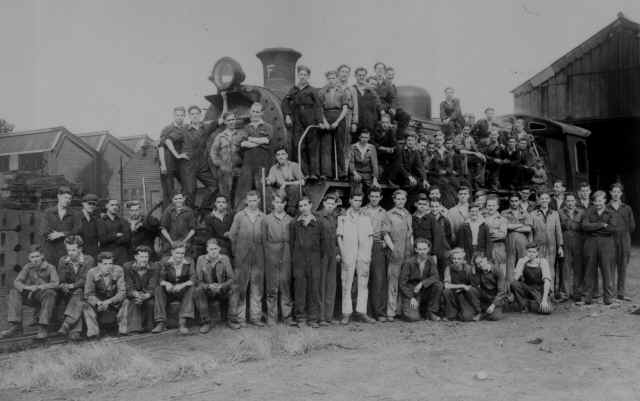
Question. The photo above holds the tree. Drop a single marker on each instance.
(5, 126)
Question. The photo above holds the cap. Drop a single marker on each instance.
(90, 198)
(64, 190)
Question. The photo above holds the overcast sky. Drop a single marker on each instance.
(121, 65)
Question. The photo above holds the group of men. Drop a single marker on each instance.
(467, 262)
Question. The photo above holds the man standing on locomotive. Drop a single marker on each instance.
(257, 154)
(302, 107)
(369, 105)
(170, 153)
(335, 105)
(224, 154)
(195, 166)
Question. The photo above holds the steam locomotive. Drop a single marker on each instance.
(562, 146)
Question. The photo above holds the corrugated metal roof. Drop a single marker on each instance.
(42, 140)
(575, 53)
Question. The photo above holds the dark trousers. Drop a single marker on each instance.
(319, 151)
(573, 265)
(226, 297)
(162, 297)
(168, 186)
(137, 317)
(486, 299)
(428, 302)
(190, 171)
(307, 281)
(250, 178)
(599, 253)
(341, 139)
(622, 256)
(461, 304)
(378, 279)
(43, 300)
(73, 305)
(328, 285)
(527, 296)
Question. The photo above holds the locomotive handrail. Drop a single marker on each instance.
(304, 134)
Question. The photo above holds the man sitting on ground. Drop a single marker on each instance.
(141, 278)
(215, 282)
(531, 283)
(490, 284)
(104, 291)
(34, 286)
(461, 299)
(420, 285)
(72, 271)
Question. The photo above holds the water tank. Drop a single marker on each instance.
(279, 69)
(415, 100)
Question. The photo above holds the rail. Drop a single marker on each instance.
(335, 150)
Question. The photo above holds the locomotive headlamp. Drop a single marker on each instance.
(226, 74)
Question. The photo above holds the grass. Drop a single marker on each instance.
(72, 366)
(106, 362)
(258, 345)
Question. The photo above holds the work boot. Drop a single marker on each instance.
(345, 319)
(234, 325)
(160, 327)
(433, 317)
(324, 323)
(13, 330)
(382, 319)
(42, 332)
(74, 336)
(64, 329)
(313, 324)
(182, 326)
(362, 317)
(205, 328)
(257, 323)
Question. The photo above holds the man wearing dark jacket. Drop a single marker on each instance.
(407, 168)
(144, 230)
(58, 223)
(89, 225)
(114, 233)
(420, 285)
(473, 235)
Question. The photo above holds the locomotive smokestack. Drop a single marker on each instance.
(278, 66)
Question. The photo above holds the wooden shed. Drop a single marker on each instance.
(596, 86)
(140, 144)
(50, 152)
(112, 156)
(141, 180)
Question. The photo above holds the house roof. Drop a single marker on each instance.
(36, 141)
(136, 142)
(576, 53)
(99, 139)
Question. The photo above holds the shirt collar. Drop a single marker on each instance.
(306, 219)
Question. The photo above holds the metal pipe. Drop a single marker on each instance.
(304, 134)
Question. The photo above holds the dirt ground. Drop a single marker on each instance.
(587, 353)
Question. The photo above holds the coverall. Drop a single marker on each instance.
(401, 235)
(196, 168)
(328, 280)
(333, 101)
(308, 244)
(497, 226)
(276, 230)
(248, 257)
(491, 290)
(253, 161)
(623, 246)
(573, 278)
(599, 249)
(355, 234)
(379, 259)
(547, 233)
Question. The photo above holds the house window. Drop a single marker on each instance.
(30, 161)
(4, 163)
(581, 157)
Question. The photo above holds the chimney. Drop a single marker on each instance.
(278, 66)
